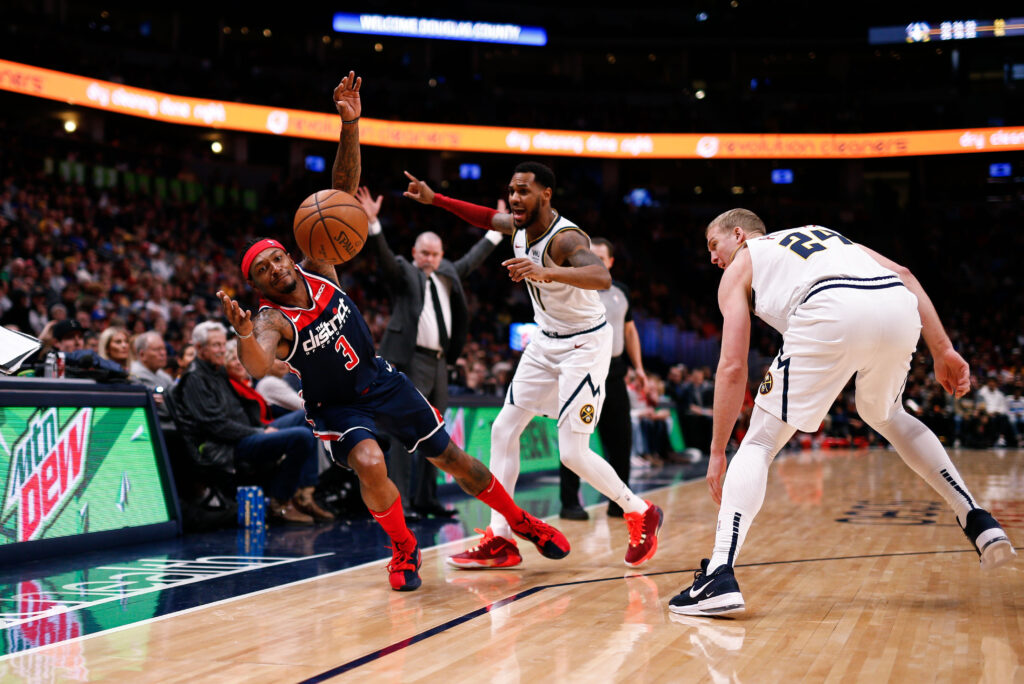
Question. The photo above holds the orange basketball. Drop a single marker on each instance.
(330, 226)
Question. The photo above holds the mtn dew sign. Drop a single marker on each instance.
(71, 470)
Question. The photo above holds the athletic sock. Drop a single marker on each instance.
(495, 496)
(923, 452)
(393, 522)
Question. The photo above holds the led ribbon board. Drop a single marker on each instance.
(235, 116)
(439, 29)
(951, 29)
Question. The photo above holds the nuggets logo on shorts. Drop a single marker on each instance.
(766, 384)
(587, 414)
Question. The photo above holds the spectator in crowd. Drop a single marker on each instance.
(185, 358)
(995, 405)
(280, 389)
(68, 336)
(114, 346)
(148, 369)
(695, 411)
(1015, 410)
(38, 314)
(226, 431)
(150, 361)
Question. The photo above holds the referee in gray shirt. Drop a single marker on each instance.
(615, 426)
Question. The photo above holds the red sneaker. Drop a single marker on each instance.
(403, 570)
(492, 552)
(550, 542)
(643, 535)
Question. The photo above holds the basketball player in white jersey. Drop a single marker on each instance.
(562, 372)
(841, 309)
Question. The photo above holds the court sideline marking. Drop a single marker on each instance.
(462, 619)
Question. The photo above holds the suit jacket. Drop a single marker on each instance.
(408, 283)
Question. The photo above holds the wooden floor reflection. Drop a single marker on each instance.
(854, 571)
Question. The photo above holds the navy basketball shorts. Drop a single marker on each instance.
(392, 404)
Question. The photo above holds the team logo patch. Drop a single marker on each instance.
(587, 414)
(766, 384)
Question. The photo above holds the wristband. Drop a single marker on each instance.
(350, 122)
(473, 214)
(240, 335)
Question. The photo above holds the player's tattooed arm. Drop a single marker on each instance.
(260, 337)
(577, 265)
(324, 269)
(347, 164)
(502, 222)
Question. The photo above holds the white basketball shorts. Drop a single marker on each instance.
(563, 377)
(831, 336)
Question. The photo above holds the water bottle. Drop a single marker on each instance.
(50, 365)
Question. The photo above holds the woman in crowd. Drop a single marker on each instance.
(114, 346)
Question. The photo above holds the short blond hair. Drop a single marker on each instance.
(744, 218)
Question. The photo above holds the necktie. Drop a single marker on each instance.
(442, 330)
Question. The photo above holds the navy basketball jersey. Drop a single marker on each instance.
(332, 349)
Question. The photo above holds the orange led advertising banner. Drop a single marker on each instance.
(235, 116)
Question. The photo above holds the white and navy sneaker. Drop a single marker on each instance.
(714, 594)
(989, 539)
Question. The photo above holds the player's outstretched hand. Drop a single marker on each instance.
(239, 318)
(418, 190)
(953, 373)
(346, 97)
(716, 474)
(370, 205)
(521, 267)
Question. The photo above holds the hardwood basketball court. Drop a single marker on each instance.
(855, 570)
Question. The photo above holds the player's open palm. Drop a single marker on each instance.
(239, 318)
(953, 372)
(370, 205)
(346, 97)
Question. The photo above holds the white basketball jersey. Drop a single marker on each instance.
(790, 266)
(557, 307)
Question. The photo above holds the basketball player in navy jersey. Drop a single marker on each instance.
(562, 372)
(307, 320)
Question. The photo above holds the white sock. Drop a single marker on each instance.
(574, 450)
(745, 484)
(922, 451)
(508, 426)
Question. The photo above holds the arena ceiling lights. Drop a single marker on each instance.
(235, 116)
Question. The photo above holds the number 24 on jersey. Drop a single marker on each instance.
(804, 245)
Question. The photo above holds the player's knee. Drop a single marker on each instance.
(367, 459)
(573, 447)
(878, 417)
(505, 428)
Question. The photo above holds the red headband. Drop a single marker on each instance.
(253, 252)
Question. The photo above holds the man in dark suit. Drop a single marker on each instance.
(429, 321)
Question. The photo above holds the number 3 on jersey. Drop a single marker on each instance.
(350, 354)
(804, 245)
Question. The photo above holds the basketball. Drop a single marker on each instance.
(330, 225)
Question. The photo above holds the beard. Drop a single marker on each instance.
(528, 219)
(289, 287)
